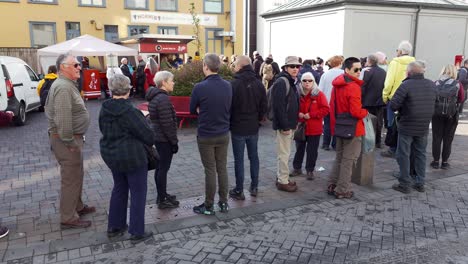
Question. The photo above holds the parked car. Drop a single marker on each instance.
(18, 88)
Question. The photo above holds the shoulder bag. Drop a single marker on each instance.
(345, 124)
(299, 134)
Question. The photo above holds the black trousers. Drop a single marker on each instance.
(162, 167)
(378, 111)
(443, 131)
(311, 144)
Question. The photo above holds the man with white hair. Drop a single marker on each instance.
(396, 73)
(414, 100)
(125, 70)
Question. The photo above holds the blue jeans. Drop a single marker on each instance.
(136, 181)
(407, 146)
(327, 137)
(238, 145)
(390, 117)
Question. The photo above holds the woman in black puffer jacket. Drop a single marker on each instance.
(164, 123)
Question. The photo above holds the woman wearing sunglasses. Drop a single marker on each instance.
(312, 109)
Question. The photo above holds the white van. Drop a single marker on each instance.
(18, 88)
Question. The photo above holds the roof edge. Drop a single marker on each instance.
(365, 2)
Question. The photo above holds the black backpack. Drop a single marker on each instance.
(270, 111)
(45, 90)
(446, 98)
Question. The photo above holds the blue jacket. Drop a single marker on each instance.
(213, 97)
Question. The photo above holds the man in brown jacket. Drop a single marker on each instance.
(68, 122)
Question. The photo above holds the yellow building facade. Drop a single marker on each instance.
(40, 23)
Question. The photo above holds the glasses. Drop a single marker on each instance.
(308, 81)
(294, 66)
(357, 69)
(75, 65)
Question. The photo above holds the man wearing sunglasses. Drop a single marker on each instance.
(285, 105)
(346, 98)
(68, 122)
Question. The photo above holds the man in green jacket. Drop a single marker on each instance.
(396, 73)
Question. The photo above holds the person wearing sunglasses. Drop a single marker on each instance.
(68, 122)
(312, 109)
(285, 108)
(346, 98)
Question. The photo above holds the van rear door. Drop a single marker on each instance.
(3, 90)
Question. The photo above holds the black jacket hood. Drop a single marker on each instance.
(115, 108)
(153, 92)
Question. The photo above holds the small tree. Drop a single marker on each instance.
(196, 27)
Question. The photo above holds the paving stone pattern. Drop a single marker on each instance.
(377, 226)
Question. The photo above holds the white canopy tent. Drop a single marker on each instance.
(85, 45)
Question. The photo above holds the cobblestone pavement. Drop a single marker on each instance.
(377, 226)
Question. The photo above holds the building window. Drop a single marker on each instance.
(43, 1)
(136, 4)
(166, 5)
(167, 30)
(213, 43)
(135, 30)
(42, 34)
(14, 1)
(111, 33)
(95, 3)
(213, 6)
(73, 29)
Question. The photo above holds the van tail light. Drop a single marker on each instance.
(9, 88)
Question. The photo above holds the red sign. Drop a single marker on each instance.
(163, 48)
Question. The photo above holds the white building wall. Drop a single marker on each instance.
(441, 36)
(307, 35)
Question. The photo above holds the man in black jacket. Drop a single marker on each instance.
(248, 108)
(126, 71)
(140, 77)
(257, 63)
(374, 80)
(414, 100)
(463, 78)
(285, 104)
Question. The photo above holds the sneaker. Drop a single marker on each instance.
(134, 239)
(327, 148)
(203, 209)
(388, 154)
(223, 207)
(168, 196)
(419, 188)
(435, 164)
(445, 165)
(295, 173)
(253, 192)
(310, 175)
(3, 231)
(398, 187)
(168, 203)
(236, 195)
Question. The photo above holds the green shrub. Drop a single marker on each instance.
(190, 74)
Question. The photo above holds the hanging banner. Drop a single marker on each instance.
(171, 18)
(163, 48)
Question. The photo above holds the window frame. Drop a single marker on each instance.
(42, 2)
(204, 7)
(214, 39)
(80, 4)
(137, 26)
(136, 8)
(168, 10)
(112, 26)
(167, 27)
(66, 23)
(31, 35)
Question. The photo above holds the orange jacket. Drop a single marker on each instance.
(346, 94)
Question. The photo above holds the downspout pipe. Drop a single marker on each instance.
(233, 23)
(416, 28)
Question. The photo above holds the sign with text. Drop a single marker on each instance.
(171, 18)
(163, 48)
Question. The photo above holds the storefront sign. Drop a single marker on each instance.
(171, 18)
(163, 48)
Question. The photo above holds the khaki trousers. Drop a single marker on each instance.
(71, 173)
(283, 149)
(347, 153)
(213, 154)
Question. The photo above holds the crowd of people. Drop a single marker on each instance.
(302, 100)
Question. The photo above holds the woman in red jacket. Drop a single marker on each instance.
(150, 70)
(312, 109)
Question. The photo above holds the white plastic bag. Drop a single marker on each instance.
(368, 141)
